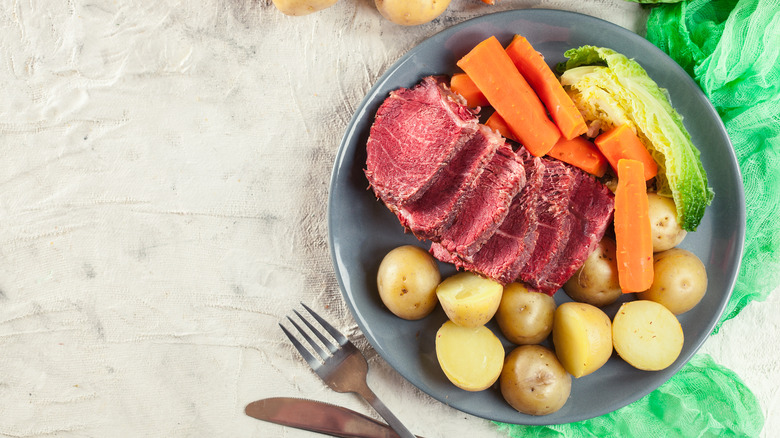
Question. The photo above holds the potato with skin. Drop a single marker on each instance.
(582, 335)
(533, 381)
(471, 357)
(411, 12)
(468, 299)
(679, 280)
(525, 316)
(407, 281)
(666, 230)
(596, 281)
(302, 7)
(647, 335)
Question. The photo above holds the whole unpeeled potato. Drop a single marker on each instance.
(407, 281)
(679, 280)
(411, 12)
(525, 316)
(666, 230)
(302, 7)
(533, 380)
(596, 281)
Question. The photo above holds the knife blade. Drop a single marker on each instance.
(316, 416)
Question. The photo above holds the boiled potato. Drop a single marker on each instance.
(525, 316)
(533, 380)
(407, 280)
(471, 357)
(679, 280)
(596, 281)
(469, 300)
(666, 230)
(302, 7)
(582, 335)
(411, 12)
(647, 335)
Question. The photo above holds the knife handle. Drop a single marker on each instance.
(382, 410)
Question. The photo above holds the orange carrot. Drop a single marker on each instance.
(581, 153)
(621, 142)
(492, 70)
(632, 228)
(531, 65)
(461, 83)
(498, 124)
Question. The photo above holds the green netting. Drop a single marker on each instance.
(732, 49)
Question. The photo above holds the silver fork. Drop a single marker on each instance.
(343, 367)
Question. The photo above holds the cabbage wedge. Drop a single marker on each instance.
(610, 90)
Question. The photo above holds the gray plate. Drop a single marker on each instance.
(362, 230)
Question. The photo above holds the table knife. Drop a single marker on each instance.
(319, 417)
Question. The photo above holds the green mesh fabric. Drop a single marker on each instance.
(732, 49)
(673, 410)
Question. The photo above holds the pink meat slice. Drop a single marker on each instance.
(415, 135)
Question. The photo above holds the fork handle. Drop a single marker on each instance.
(382, 410)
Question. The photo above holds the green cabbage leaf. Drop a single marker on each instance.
(611, 90)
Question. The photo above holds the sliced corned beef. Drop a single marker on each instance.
(441, 203)
(591, 211)
(552, 226)
(486, 205)
(554, 219)
(513, 242)
(414, 136)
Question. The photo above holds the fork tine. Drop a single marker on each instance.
(313, 362)
(332, 330)
(327, 342)
(323, 354)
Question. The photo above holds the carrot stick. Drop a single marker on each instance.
(492, 70)
(621, 142)
(632, 228)
(535, 70)
(581, 153)
(461, 83)
(498, 124)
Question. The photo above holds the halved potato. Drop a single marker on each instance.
(647, 335)
(582, 335)
(469, 300)
(471, 357)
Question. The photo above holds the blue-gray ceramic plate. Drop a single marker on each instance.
(362, 230)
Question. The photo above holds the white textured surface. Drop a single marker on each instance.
(163, 182)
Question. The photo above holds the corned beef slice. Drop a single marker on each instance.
(591, 203)
(514, 240)
(553, 217)
(415, 134)
(441, 203)
(486, 206)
